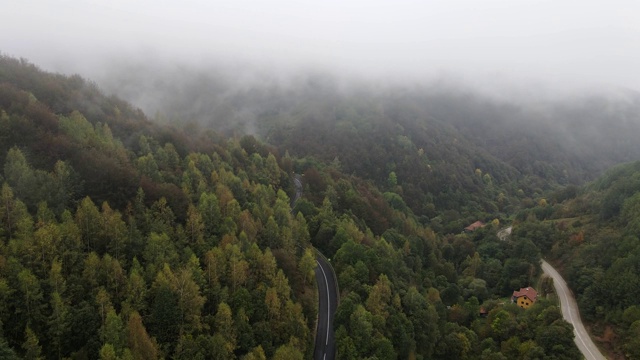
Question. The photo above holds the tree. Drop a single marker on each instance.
(45, 245)
(7, 352)
(136, 292)
(245, 339)
(103, 300)
(58, 323)
(88, 220)
(306, 266)
(162, 219)
(165, 315)
(209, 209)
(272, 302)
(138, 340)
(113, 232)
(215, 266)
(392, 180)
(557, 339)
(344, 345)
(31, 294)
(256, 353)
(115, 277)
(112, 332)
(6, 293)
(380, 297)
(189, 348)
(237, 266)
(84, 325)
(361, 330)
(147, 165)
(271, 234)
(190, 301)
(7, 216)
(108, 352)
(288, 352)
(159, 250)
(56, 278)
(224, 323)
(31, 345)
(502, 324)
(194, 227)
(221, 349)
(20, 176)
(272, 170)
(225, 330)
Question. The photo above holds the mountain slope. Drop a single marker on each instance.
(595, 238)
(122, 238)
(432, 137)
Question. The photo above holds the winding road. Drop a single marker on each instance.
(298, 185)
(571, 313)
(325, 344)
(325, 348)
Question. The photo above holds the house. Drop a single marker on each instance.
(483, 312)
(525, 297)
(474, 226)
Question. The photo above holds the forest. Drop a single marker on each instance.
(123, 237)
(592, 233)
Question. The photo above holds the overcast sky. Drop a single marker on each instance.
(555, 41)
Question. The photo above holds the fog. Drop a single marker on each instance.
(491, 44)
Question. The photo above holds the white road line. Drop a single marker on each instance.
(326, 282)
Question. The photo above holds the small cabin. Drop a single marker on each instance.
(483, 312)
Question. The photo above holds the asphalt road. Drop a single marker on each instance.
(325, 344)
(571, 313)
(298, 185)
(325, 348)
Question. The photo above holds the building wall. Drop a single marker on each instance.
(524, 302)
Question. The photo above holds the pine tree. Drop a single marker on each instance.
(31, 345)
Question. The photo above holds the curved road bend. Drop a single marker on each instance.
(325, 347)
(571, 313)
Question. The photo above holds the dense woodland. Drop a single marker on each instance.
(592, 232)
(122, 238)
(432, 137)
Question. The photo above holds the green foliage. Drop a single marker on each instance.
(121, 239)
(594, 234)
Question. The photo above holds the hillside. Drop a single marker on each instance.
(121, 238)
(593, 233)
(433, 137)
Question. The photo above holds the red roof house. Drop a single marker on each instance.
(474, 226)
(525, 297)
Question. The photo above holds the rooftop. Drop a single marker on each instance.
(529, 292)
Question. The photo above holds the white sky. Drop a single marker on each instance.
(595, 42)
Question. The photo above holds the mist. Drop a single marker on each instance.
(229, 65)
(491, 45)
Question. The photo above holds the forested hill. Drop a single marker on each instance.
(432, 137)
(124, 239)
(593, 232)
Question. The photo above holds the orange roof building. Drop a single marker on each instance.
(473, 227)
(525, 297)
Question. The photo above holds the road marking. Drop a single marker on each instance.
(561, 286)
(326, 282)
